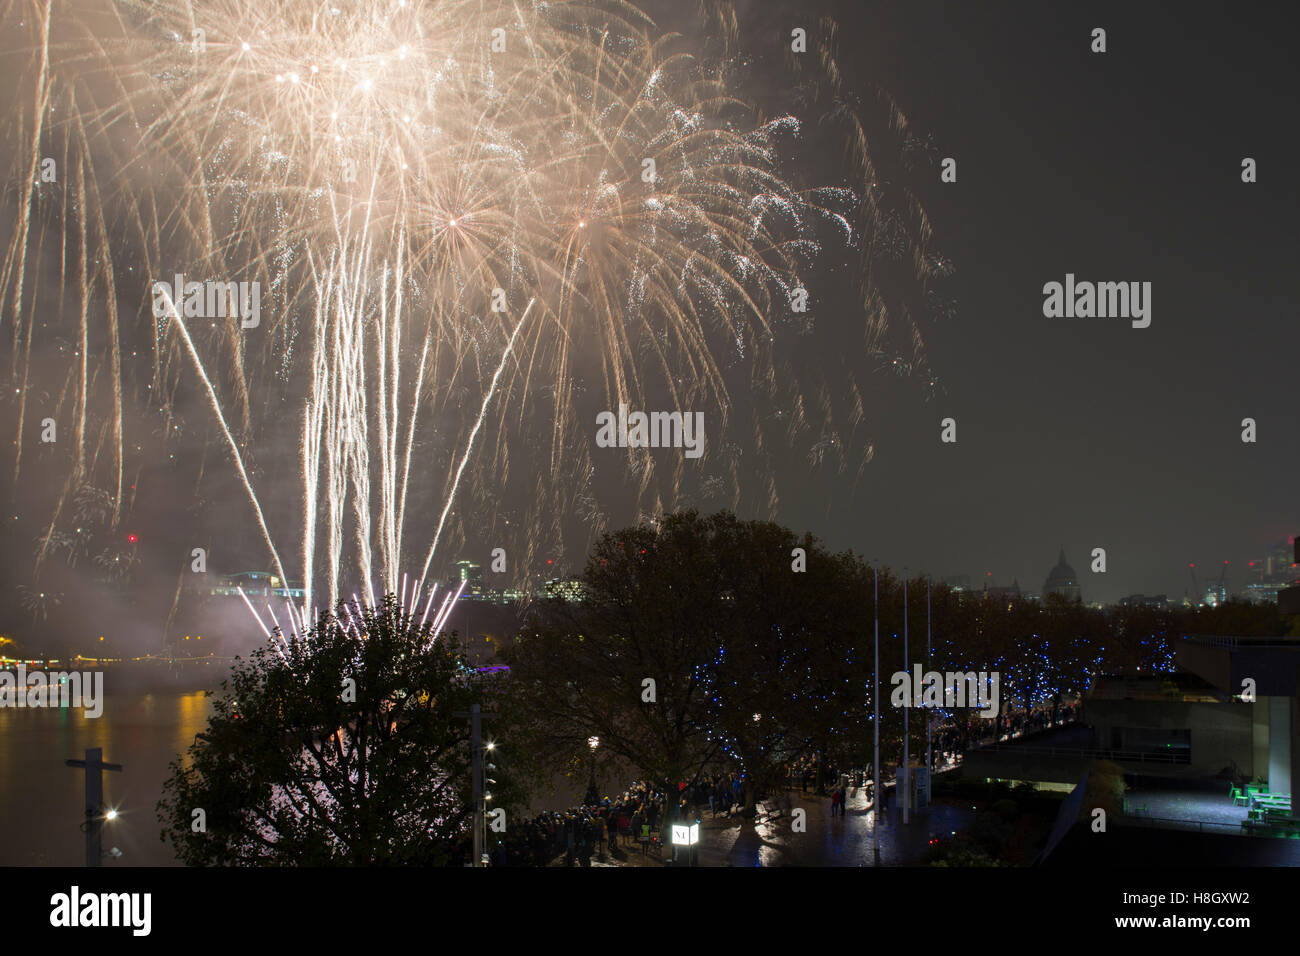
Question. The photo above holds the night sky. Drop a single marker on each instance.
(1123, 166)
(1072, 433)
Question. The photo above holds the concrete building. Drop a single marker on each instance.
(1269, 669)
(1176, 725)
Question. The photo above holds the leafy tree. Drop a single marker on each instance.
(711, 610)
(652, 600)
(787, 679)
(339, 746)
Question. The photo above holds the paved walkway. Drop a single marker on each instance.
(770, 840)
(1197, 806)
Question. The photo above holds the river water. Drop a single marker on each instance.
(42, 801)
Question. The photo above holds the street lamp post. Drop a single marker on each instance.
(929, 762)
(593, 795)
(907, 666)
(95, 816)
(875, 701)
(476, 717)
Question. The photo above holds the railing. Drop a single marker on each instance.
(1236, 643)
(1172, 823)
(985, 743)
(1125, 756)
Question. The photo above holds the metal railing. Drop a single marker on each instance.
(1236, 643)
(1173, 823)
(1119, 756)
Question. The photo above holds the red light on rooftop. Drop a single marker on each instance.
(131, 538)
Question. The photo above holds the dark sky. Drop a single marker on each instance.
(1075, 433)
(1123, 166)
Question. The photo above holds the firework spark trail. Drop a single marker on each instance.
(225, 430)
(340, 387)
(442, 609)
(253, 611)
(347, 610)
(372, 161)
(469, 445)
(428, 604)
(410, 445)
(448, 604)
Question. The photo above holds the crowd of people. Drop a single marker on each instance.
(631, 820)
(636, 818)
(723, 793)
(954, 737)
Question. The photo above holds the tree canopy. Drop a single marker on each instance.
(341, 745)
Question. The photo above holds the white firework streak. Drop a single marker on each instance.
(469, 445)
(428, 604)
(336, 430)
(253, 611)
(221, 419)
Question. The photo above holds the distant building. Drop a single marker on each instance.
(255, 584)
(1288, 599)
(1062, 581)
(1270, 575)
(958, 582)
(568, 589)
(1011, 593)
(471, 575)
(1144, 600)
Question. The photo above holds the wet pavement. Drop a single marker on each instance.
(827, 841)
(1190, 807)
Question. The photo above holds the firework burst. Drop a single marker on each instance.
(470, 221)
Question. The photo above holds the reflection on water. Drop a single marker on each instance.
(42, 801)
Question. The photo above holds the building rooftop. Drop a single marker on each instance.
(1181, 688)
